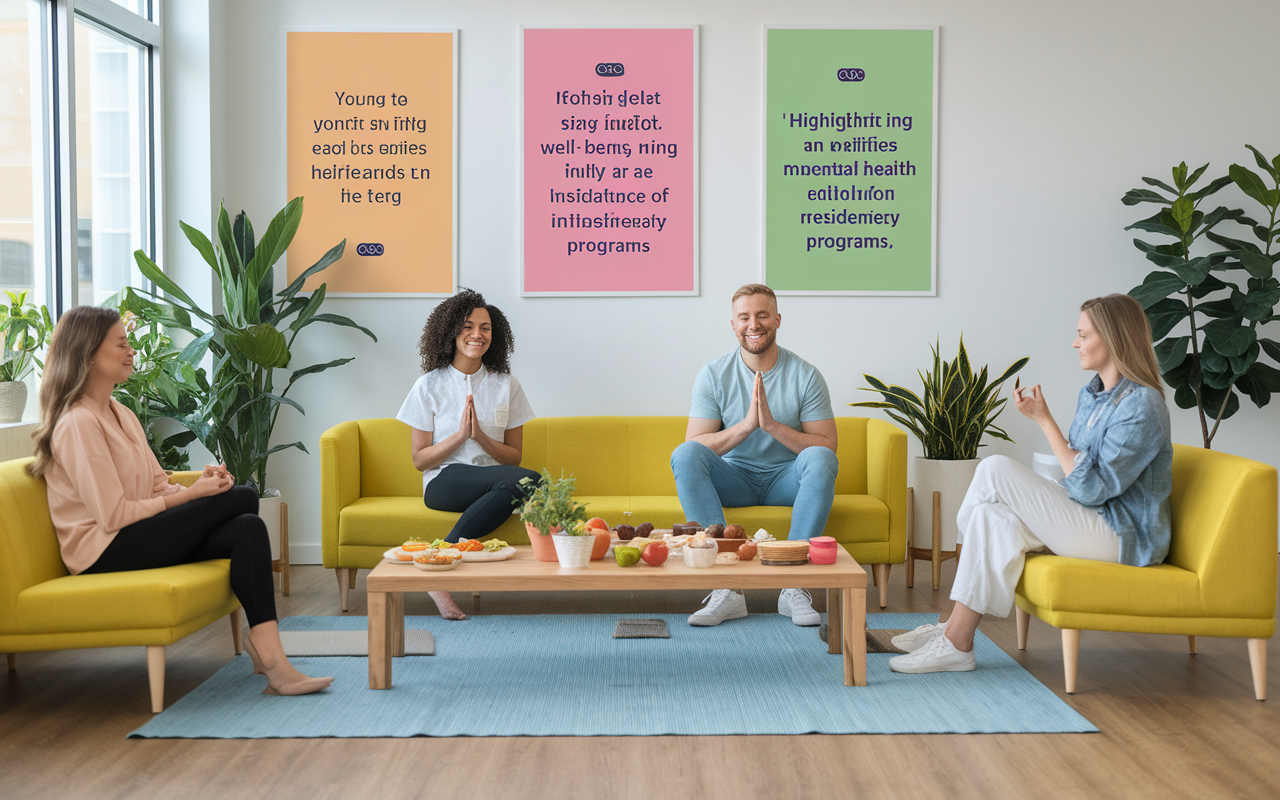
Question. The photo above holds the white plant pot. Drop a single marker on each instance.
(13, 401)
(573, 551)
(952, 479)
(269, 510)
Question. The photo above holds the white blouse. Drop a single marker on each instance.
(436, 401)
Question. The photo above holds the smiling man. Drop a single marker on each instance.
(761, 432)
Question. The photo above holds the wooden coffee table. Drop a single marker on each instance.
(845, 582)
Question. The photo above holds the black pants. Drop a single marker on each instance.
(223, 526)
(486, 496)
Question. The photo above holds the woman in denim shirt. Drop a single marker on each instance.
(1112, 506)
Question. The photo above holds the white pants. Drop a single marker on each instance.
(1008, 512)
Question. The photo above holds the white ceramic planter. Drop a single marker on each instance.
(269, 510)
(573, 551)
(13, 401)
(952, 479)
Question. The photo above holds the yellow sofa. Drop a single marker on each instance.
(371, 496)
(1219, 578)
(44, 608)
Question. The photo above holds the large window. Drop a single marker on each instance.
(77, 147)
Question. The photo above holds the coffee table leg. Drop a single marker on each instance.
(380, 640)
(395, 612)
(855, 636)
(834, 622)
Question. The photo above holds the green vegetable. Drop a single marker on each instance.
(493, 545)
(627, 556)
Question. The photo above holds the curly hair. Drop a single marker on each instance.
(445, 325)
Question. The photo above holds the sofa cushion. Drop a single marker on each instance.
(388, 521)
(1055, 583)
(137, 600)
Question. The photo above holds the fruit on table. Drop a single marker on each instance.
(734, 532)
(715, 531)
(626, 556)
(747, 551)
(655, 554)
(644, 529)
(596, 522)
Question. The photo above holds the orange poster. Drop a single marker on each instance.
(372, 144)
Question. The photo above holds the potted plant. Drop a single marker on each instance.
(556, 524)
(163, 385)
(1224, 296)
(23, 331)
(250, 340)
(958, 408)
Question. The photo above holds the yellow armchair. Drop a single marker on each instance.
(44, 608)
(1219, 578)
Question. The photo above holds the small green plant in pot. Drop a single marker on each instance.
(548, 509)
(958, 408)
(24, 329)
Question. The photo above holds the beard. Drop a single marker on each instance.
(765, 342)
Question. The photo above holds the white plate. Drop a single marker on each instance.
(457, 562)
(390, 555)
(485, 555)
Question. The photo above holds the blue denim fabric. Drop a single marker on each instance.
(707, 484)
(1125, 466)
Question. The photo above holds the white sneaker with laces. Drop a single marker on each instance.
(798, 604)
(725, 604)
(938, 655)
(912, 641)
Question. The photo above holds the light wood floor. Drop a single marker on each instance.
(1172, 725)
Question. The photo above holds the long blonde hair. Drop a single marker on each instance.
(76, 338)
(1125, 330)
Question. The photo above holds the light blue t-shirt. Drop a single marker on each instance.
(794, 390)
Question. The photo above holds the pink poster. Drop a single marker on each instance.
(610, 161)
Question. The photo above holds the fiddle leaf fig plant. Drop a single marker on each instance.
(24, 329)
(1218, 354)
(957, 409)
(250, 339)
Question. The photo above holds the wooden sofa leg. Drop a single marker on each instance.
(155, 673)
(1070, 657)
(1191, 644)
(343, 587)
(1024, 624)
(13, 661)
(1258, 662)
(351, 581)
(237, 630)
(881, 571)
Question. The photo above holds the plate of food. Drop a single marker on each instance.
(407, 552)
(487, 550)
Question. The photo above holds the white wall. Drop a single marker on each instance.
(1049, 113)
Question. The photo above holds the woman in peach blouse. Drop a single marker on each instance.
(112, 505)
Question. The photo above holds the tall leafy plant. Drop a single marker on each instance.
(162, 385)
(957, 409)
(251, 339)
(1223, 295)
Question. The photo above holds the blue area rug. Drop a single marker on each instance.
(564, 675)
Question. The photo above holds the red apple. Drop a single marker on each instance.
(655, 554)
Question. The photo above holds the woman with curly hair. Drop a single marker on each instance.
(467, 413)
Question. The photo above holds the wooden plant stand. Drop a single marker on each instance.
(281, 564)
(934, 554)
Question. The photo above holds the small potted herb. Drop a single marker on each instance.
(556, 524)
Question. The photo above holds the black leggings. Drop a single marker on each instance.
(486, 496)
(222, 526)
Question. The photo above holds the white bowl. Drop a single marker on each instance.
(700, 557)
(457, 562)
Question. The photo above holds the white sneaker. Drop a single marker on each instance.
(725, 604)
(938, 655)
(798, 604)
(912, 641)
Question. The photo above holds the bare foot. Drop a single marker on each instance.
(448, 609)
(282, 677)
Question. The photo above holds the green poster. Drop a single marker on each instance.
(850, 160)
